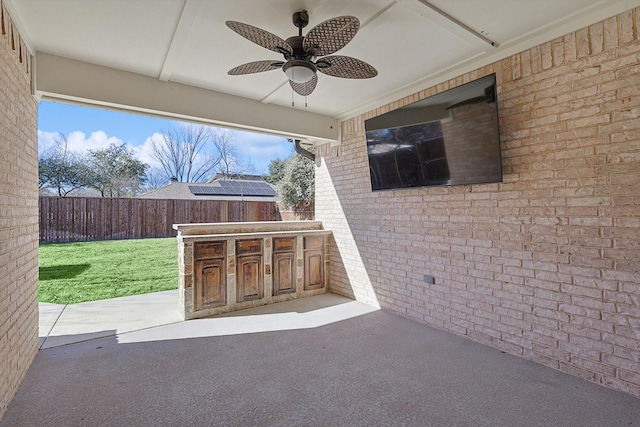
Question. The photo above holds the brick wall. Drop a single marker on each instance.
(545, 265)
(18, 212)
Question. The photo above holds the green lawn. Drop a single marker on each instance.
(90, 271)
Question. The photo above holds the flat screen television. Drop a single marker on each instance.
(451, 138)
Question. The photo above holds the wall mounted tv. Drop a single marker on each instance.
(450, 138)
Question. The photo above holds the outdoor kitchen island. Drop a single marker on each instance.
(232, 266)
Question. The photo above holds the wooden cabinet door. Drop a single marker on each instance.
(210, 284)
(210, 275)
(284, 275)
(313, 262)
(284, 265)
(249, 278)
(313, 270)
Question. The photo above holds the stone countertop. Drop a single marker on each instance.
(256, 235)
(235, 228)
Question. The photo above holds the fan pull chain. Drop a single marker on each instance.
(293, 104)
(305, 101)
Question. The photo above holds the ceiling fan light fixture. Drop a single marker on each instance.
(299, 71)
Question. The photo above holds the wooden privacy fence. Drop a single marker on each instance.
(72, 219)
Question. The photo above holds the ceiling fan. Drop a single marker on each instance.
(305, 55)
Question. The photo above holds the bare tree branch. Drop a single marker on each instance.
(154, 179)
(180, 153)
(230, 160)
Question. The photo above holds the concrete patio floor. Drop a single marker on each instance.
(320, 361)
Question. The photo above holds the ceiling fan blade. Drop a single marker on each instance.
(345, 67)
(305, 88)
(260, 37)
(331, 35)
(255, 67)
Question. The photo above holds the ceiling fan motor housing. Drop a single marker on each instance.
(299, 67)
(296, 45)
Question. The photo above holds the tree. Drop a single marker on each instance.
(296, 186)
(180, 153)
(60, 169)
(115, 172)
(276, 171)
(230, 161)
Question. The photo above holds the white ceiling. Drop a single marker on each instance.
(411, 44)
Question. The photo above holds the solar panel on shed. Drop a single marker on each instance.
(260, 189)
(234, 188)
(207, 190)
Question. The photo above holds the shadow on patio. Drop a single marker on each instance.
(324, 360)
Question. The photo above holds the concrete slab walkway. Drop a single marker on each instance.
(67, 324)
(320, 361)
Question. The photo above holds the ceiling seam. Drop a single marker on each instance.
(379, 13)
(459, 23)
(183, 27)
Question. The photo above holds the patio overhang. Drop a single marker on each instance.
(79, 82)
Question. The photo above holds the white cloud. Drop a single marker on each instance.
(77, 141)
(143, 152)
(46, 140)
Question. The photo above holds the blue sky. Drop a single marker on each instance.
(93, 128)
